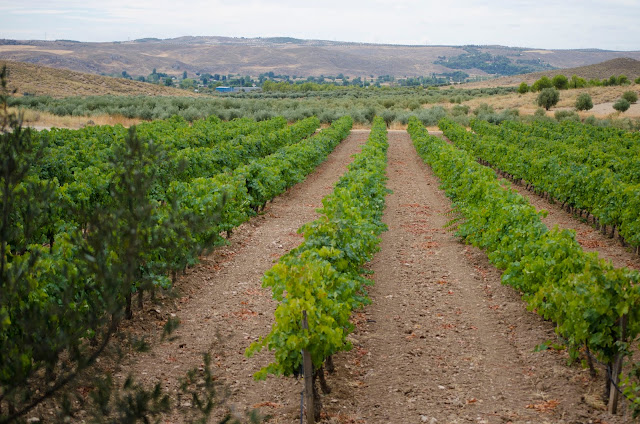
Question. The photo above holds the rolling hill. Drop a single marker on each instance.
(42, 80)
(620, 66)
(289, 56)
(54, 82)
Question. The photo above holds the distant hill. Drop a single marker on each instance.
(293, 57)
(42, 80)
(620, 66)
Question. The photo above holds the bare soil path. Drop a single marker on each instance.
(224, 307)
(590, 239)
(444, 341)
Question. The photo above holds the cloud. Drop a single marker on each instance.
(39, 12)
(543, 23)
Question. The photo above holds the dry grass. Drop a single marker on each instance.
(621, 66)
(603, 98)
(44, 81)
(393, 126)
(397, 126)
(45, 120)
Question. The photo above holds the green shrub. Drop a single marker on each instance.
(577, 82)
(329, 115)
(357, 116)
(482, 109)
(459, 110)
(584, 102)
(602, 123)
(541, 84)
(591, 120)
(626, 124)
(595, 83)
(630, 96)
(497, 118)
(564, 115)
(262, 115)
(463, 120)
(403, 118)
(622, 105)
(560, 82)
(388, 103)
(523, 88)
(369, 114)
(430, 117)
(619, 80)
(548, 98)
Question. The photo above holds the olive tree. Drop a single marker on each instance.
(630, 96)
(524, 88)
(548, 98)
(541, 84)
(560, 82)
(622, 105)
(584, 102)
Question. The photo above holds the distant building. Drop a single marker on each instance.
(237, 89)
(246, 89)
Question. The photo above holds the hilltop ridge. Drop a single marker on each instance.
(619, 66)
(27, 78)
(292, 56)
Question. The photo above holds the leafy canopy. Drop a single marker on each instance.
(548, 98)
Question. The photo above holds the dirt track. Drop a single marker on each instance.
(589, 238)
(442, 342)
(224, 307)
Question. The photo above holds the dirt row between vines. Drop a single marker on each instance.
(442, 342)
(223, 307)
(590, 239)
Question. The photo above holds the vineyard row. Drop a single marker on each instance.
(127, 231)
(594, 305)
(580, 178)
(323, 279)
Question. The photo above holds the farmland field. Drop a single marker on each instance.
(442, 339)
(439, 339)
(373, 226)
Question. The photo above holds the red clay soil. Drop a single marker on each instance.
(442, 342)
(224, 308)
(589, 238)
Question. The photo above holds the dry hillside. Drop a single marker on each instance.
(288, 56)
(603, 100)
(41, 80)
(620, 66)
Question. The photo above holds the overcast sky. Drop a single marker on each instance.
(550, 24)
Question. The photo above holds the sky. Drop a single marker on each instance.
(546, 24)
